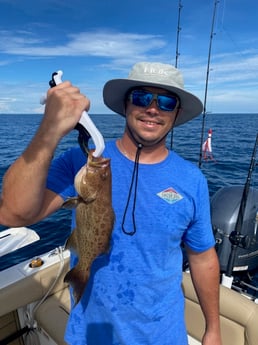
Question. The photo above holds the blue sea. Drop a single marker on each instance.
(232, 144)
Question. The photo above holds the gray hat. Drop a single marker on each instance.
(152, 74)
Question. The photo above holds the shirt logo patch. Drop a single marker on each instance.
(170, 195)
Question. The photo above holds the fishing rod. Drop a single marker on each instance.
(207, 80)
(180, 6)
(236, 238)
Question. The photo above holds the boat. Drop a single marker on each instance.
(35, 305)
(35, 301)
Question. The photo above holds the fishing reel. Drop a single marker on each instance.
(239, 240)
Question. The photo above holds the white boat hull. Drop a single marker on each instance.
(15, 238)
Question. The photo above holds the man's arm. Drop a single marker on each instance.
(25, 199)
(204, 268)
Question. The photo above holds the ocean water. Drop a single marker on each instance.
(232, 143)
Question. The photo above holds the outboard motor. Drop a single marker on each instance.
(225, 205)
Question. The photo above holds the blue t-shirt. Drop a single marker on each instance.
(134, 294)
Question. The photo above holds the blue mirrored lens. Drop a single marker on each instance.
(167, 103)
(143, 98)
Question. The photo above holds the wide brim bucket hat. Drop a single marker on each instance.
(152, 74)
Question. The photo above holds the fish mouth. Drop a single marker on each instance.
(98, 162)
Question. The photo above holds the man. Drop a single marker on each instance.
(134, 294)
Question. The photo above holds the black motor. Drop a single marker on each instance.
(225, 205)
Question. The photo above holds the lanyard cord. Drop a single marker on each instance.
(134, 182)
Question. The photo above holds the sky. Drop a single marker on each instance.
(93, 41)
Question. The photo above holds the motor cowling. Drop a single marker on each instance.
(225, 205)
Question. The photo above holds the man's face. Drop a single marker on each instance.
(149, 125)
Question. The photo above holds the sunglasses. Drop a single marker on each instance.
(142, 98)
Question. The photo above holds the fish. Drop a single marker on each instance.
(94, 220)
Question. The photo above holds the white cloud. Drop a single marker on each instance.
(232, 75)
(102, 44)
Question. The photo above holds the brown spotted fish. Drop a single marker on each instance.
(94, 220)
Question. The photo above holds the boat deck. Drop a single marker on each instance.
(22, 285)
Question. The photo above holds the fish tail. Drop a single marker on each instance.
(77, 279)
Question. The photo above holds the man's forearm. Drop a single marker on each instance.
(24, 183)
(205, 275)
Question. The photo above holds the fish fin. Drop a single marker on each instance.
(90, 199)
(77, 279)
(71, 203)
(71, 242)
